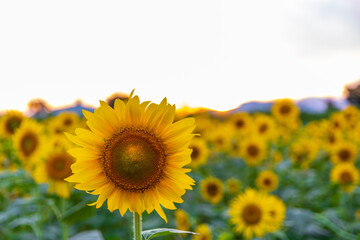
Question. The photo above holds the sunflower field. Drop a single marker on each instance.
(279, 175)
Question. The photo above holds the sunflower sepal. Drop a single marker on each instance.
(157, 232)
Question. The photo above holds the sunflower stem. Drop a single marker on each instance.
(137, 226)
(64, 226)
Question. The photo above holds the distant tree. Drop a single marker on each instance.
(352, 93)
(39, 108)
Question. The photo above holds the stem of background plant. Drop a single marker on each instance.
(64, 226)
(137, 226)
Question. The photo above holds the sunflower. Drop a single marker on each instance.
(241, 122)
(221, 138)
(267, 180)
(344, 152)
(337, 121)
(277, 210)
(304, 151)
(284, 110)
(233, 186)
(182, 220)
(276, 157)
(204, 232)
(200, 152)
(133, 156)
(346, 175)
(54, 170)
(352, 115)
(29, 142)
(212, 190)
(264, 126)
(250, 213)
(253, 150)
(10, 122)
(67, 121)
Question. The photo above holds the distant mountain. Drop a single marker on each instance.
(311, 105)
(76, 108)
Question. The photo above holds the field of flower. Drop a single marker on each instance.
(264, 175)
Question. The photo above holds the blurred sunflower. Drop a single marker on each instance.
(241, 122)
(352, 115)
(182, 220)
(204, 232)
(344, 152)
(10, 122)
(250, 213)
(233, 186)
(67, 122)
(331, 138)
(253, 150)
(337, 121)
(264, 126)
(29, 142)
(212, 190)
(53, 170)
(346, 175)
(267, 181)
(277, 210)
(284, 110)
(304, 151)
(133, 156)
(221, 138)
(276, 157)
(200, 152)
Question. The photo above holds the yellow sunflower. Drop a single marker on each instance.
(337, 121)
(200, 152)
(250, 213)
(133, 156)
(277, 210)
(267, 180)
(277, 157)
(204, 232)
(29, 142)
(344, 152)
(346, 175)
(304, 151)
(182, 220)
(233, 186)
(253, 150)
(212, 190)
(67, 121)
(10, 122)
(241, 122)
(53, 170)
(284, 110)
(221, 138)
(352, 115)
(264, 126)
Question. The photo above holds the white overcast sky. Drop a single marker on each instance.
(215, 54)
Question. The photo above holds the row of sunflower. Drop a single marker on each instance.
(257, 175)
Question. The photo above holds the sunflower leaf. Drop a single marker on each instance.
(152, 233)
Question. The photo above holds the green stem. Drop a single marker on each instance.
(137, 226)
(64, 226)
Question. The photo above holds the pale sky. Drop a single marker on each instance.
(214, 54)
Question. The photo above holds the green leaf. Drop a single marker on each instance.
(150, 234)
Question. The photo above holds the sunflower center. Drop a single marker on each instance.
(212, 189)
(68, 122)
(267, 181)
(12, 124)
(58, 166)
(28, 144)
(253, 150)
(195, 153)
(344, 155)
(134, 159)
(239, 123)
(346, 177)
(263, 128)
(251, 214)
(285, 109)
(272, 214)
